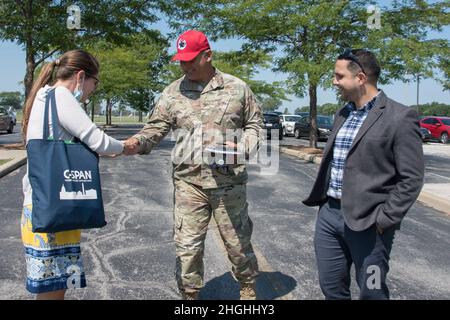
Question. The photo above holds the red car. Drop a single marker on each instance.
(438, 126)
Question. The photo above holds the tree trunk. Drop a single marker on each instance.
(29, 48)
(31, 65)
(140, 116)
(108, 107)
(313, 115)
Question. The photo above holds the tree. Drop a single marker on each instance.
(434, 109)
(302, 109)
(40, 26)
(11, 99)
(142, 96)
(328, 109)
(140, 99)
(269, 103)
(308, 35)
(245, 64)
(444, 65)
(131, 74)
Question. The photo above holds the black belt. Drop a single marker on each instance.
(336, 203)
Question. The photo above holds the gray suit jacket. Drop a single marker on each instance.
(384, 170)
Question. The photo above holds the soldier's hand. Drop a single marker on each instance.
(131, 147)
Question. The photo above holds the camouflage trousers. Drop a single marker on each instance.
(193, 208)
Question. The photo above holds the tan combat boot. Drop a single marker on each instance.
(189, 295)
(248, 291)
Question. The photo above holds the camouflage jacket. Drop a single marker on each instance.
(200, 116)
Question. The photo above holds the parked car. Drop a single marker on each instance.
(426, 134)
(277, 112)
(324, 124)
(438, 126)
(288, 122)
(303, 114)
(6, 121)
(272, 121)
(12, 113)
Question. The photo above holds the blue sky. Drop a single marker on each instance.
(12, 70)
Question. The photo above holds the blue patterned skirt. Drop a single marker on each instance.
(53, 259)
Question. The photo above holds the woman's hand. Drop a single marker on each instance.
(131, 146)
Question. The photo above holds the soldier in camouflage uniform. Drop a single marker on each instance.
(213, 102)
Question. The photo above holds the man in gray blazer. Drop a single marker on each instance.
(371, 174)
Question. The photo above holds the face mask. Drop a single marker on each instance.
(78, 93)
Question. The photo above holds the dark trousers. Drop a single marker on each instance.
(337, 247)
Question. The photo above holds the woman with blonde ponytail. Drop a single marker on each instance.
(53, 260)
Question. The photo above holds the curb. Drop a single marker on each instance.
(436, 202)
(431, 200)
(315, 158)
(12, 165)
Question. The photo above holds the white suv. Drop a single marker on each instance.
(288, 122)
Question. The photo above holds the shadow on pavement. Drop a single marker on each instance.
(269, 286)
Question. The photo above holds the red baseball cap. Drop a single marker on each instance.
(190, 44)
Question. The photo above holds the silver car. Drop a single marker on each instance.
(12, 113)
(6, 121)
(288, 121)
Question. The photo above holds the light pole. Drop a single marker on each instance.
(418, 83)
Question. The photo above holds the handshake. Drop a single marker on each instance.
(130, 147)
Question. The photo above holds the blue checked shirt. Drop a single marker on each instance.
(342, 144)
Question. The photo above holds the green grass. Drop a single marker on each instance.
(3, 161)
(100, 120)
(19, 116)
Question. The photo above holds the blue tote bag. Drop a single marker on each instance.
(65, 179)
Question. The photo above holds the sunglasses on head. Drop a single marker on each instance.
(348, 55)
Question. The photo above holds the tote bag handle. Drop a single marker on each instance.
(54, 112)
